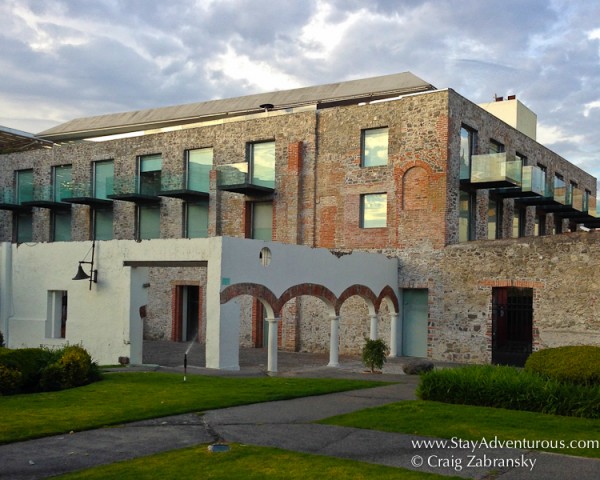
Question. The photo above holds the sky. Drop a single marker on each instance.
(65, 59)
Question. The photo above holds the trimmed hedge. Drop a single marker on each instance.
(508, 387)
(576, 364)
(30, 370)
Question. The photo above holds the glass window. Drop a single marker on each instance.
(262, 160)
(262, 221)
(24, 225)
(494, 219)
(374, 147)
(199, 164)
(496, 147)
(150, 170)
(103, 224)
(61, 225)
(24, 189)
(56, 318)
(62, 182)
(148, 222)
(196, 222)
(467, 144)
(104, 176)
(518, 229)
(465, 216)
(373, 210)
(539, 228)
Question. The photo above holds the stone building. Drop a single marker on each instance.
(488, 229)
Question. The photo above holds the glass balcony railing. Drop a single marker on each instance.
(143, 188)
(496, 170)
(11, 200)
(88, 193)
(194, 182)
(533, 181)
(590, 206)
(576, 197)
(560, 191)
(236, 177)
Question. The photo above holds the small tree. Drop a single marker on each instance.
(374, 354)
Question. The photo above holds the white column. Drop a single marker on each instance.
(272, 351)
(394, 335)
(334, 340)
(373, 333)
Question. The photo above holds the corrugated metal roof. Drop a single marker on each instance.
(322, 95)
(12, 140)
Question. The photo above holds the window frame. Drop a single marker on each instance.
(156, 177)
(363, 146)
(186, 218)
(251, 160)
(472, 144)
(363, 211)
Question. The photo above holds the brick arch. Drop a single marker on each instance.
(262, 293)
(310, 289)
(364, 292)
(415, 189)
(388, 295)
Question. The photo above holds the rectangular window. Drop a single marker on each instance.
(466, 212)
(262, 221)
(56, 315)
(104, 176)
(373, 210)
(262, 164)
(199, 163)
(518, 229)
(196, 220)
(103, 224)
(148, 222)
(539, 228)
(61, 225)
(24, 184)
(467, 150)
(374, 147)
(24, 227)
(62, 182)
(496, 147)
(494, 219)
(150, 167)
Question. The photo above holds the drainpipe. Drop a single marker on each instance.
(5, 288)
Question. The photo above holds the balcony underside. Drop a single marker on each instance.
(48, 204)
(91, 201)
(185, 194)
(14, 207)
(247, 189)
(138, 198)
(501, 183)
(515, 192)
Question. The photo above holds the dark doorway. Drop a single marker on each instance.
(512, 325)
(187, 313)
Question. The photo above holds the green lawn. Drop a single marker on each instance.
(246, 462)
(125, 397)
(443, 420)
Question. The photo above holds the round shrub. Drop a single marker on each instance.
(10, 380)
(29, 362)
(574, 364)
(52, 378)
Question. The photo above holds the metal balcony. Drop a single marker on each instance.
(189, 188)
(138, 189)
(46, 196)
(495, 170)
(236, 177)
(9, 199)
(84, 193)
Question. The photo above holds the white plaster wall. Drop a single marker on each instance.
(293, 264)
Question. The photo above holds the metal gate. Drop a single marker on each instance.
(512, 325)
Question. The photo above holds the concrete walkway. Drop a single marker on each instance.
(288, 425)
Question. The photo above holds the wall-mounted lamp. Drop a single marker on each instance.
(81, 275)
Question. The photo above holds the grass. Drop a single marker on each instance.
(247, 463)
(436, 419)
(125, 397)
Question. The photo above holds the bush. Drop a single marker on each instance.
(577, 364)
(374, 353)
(37, 369)
(507, 387)
(10, 380)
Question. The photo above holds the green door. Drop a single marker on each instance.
(415, 313)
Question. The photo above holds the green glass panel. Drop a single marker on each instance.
(262, 221)
(104, 173)
(150, 172)
(24, 186)
(464, 217)
(103, 224)
(62, 226)
(263, 164)
(197, 220)
(199, 166)
(24, 227)
(63, 183)
(466, 141)
(149, 222)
